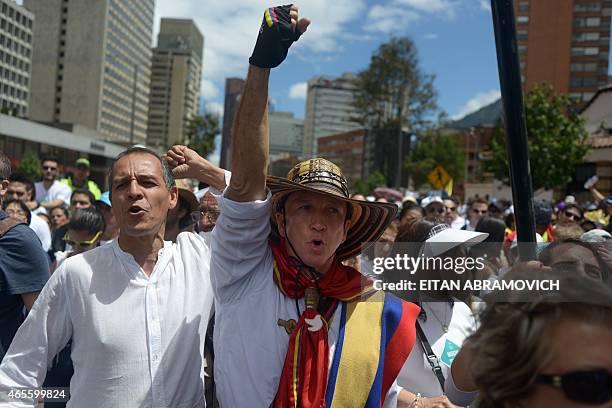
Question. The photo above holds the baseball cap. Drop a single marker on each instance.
(82, 162)
(105, 199)
(431, 199)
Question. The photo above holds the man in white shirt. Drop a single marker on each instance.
(21, 188)
(50, 192)
(136, 309)
(291, 328)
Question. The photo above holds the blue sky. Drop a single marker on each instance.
(454, 38)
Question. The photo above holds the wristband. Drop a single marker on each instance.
(276, 35)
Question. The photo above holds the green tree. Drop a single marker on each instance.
(393, 90)
(432, 149)
(556, 136)
(200, 133)
(29, 166)
(374, 180)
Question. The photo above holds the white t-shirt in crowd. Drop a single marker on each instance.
(137, 340)
(57, 190)
(416, 375)
(458, 223)
(41, 228)
(250, 340)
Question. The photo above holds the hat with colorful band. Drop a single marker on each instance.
(368, 220)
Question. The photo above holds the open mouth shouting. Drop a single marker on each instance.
(136, 210)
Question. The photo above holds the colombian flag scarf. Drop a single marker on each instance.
(371, 354)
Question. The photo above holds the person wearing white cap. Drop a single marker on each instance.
(434, 208)
(445, 321)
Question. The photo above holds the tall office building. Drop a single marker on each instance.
(329, 109)
(566, 43)
(176, 73)
(16, 25)
(286, 135)
(233, 90)
(91, 65)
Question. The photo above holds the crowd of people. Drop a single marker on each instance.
(256, 291)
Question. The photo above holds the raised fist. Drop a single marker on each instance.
(279, 29)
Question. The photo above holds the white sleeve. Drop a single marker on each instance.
(64, 193)
(44, 333)
(392, 394)
(42, 231)
(239, 245)
(455, 395)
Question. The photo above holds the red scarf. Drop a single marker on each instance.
(303, 380)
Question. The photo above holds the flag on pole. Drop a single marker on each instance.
(449, 187)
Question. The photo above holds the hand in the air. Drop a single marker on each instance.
(185, 162)
(280, 28)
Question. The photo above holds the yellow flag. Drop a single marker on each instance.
(449, 187)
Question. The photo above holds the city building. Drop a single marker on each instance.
(16, 31)
(329, 109)
(19, 136)
(176, 73)
(233, 90)
(565, 43)
(286, 134)
(598, 115)
(345, 150)
(91, 65)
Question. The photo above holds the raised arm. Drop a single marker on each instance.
(280, 28)
(250, 139)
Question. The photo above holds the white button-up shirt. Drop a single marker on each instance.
(137, 341)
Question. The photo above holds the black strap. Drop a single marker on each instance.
(434, 362)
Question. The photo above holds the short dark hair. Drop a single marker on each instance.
(5, 167)
(479, 201)
(21, 204)
(576, 206)
(84, 191)
(409, 206)
(87, 219)
(60, 207)
(166, 172)
(49, 158)
(23, 179)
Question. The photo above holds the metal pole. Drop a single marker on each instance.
(515, 123)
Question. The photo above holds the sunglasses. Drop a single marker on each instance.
(212, 215)
(451, 209)
(589, 387)
(49, 168)
(76, 244)
(434, 210)
(572, 216)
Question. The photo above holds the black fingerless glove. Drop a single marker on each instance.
(275, 37)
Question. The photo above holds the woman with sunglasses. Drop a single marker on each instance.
(84, 230)
(555, 351)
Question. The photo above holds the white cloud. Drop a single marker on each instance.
(478, 101)
(230, 29)
(428, 6)
(430, 36)
(298, 91)
(388, 19)
(208, 89)
(485, 5)
(215, 108)
(395, 15)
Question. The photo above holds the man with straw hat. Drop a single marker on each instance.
(293, 327)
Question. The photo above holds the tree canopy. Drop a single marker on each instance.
(200, 133)
(556, 137)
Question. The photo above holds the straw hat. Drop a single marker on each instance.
(368, 220)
